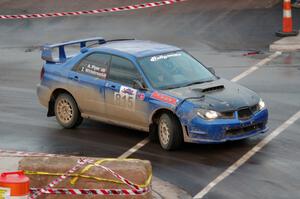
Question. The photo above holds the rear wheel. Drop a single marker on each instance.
(67, 112)
(169, 132)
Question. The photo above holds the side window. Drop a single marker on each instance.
(122, 71)
(95, 65)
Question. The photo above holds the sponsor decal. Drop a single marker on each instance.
(128, 91)
(140, 96)
(159, 57)
(125, 97)
(164, 98)
(94, 70)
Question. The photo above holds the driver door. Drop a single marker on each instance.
(124, 104)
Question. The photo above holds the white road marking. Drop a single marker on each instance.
(256, 66)
(248, 155)
(134, 148)
(235, 79)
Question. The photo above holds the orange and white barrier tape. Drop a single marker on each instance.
(92, 191)
(135, 189)
(79, 164)
(89, 12)
(124, 180)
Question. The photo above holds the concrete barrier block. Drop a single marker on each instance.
(137, 171)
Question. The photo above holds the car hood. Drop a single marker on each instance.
(220, 95)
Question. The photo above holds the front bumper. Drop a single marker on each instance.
(222, 130)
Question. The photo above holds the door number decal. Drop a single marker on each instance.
(125, 97)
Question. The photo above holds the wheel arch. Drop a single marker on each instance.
(155, 117)
(155, 114)
(56, 92)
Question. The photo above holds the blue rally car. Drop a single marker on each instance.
(147, 86)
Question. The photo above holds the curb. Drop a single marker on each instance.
(287, 44)
(284, 48)
(8, 163)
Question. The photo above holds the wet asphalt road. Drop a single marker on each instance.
(272, 173)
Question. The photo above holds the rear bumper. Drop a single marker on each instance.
(43, 94)
(218, 131)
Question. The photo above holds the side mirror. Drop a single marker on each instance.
(212, 70)
(137, 84)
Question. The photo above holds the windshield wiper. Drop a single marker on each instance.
(198, 82)
(185, 85)
(171, 87)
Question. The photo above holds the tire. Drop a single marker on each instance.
(66, 111)
(169, 132)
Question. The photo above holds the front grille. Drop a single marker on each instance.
(244, 113)
(243, 130)
(227, 115)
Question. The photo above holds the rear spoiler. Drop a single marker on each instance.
(48, 48)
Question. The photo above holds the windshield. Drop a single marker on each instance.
(174, 70)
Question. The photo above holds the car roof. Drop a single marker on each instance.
(139, 48)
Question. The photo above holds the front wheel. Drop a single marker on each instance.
(66, 111)
(169, 132)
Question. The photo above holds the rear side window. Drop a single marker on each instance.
(122, 71)
(94, 65)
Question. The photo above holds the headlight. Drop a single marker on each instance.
(261, 104)
(207, 114)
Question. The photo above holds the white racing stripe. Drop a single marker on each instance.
(235, 79)
(248, 155)
(256, 66)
